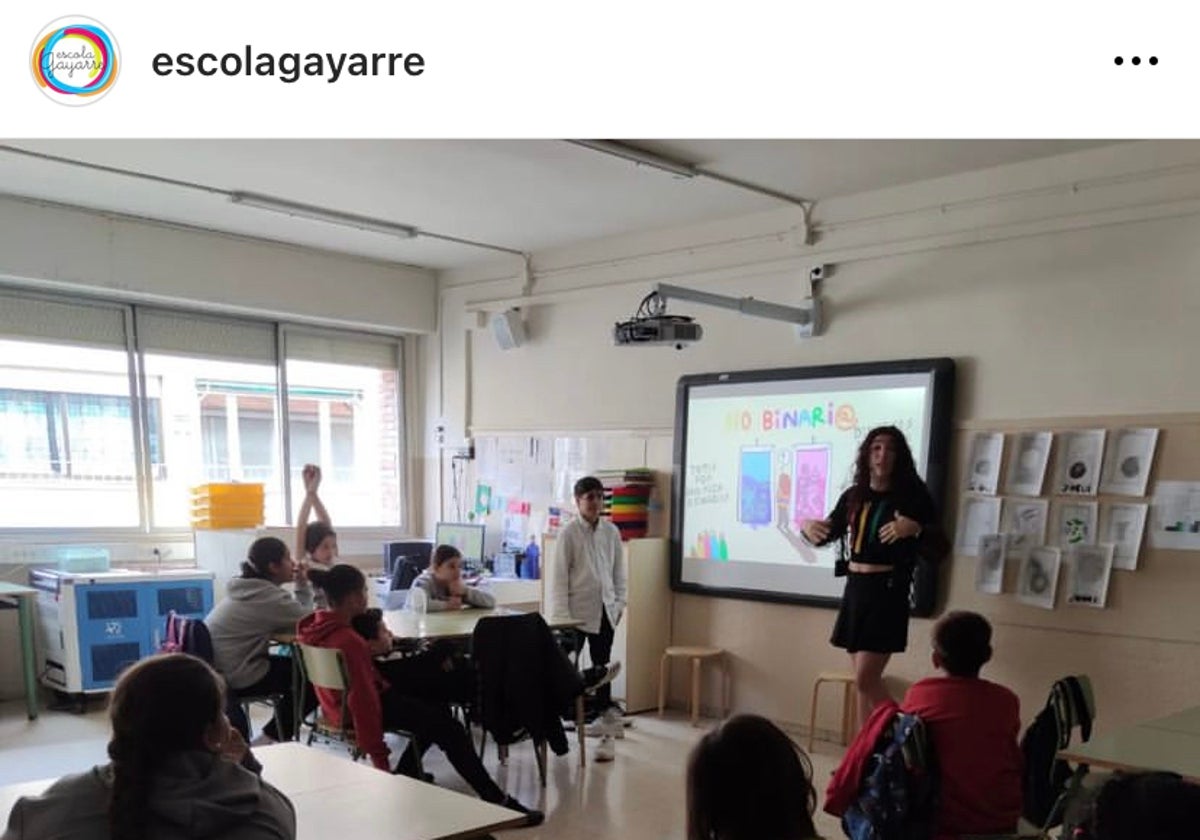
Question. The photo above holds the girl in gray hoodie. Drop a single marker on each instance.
(257, 608)
(174, 773)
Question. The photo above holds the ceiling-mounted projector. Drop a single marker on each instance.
(652, 325)
(671, 330)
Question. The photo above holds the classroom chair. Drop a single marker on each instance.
(525, 680)
(849, 705)
(191, 636)
(325, 668)
(698, 655)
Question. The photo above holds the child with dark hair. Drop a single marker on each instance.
(747, 780)
(255, 609)
(174, 772)
(589, 583)
(443, 585)
(376, 703)
(973, 724)
(316, 542)
(1143, 806)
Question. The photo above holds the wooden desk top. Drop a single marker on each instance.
(1141, 748)
(328, 789)
(456, 624)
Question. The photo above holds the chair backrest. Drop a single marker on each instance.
(525, 680)
(1048, 780)
(324, 667)
(417, 552)
(407, 569)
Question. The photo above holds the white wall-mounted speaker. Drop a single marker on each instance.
(508, 328)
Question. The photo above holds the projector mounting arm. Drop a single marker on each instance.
(806, 318)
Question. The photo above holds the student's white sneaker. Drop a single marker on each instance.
(610, 724)
(606, 750)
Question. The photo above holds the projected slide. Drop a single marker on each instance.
(765, 451)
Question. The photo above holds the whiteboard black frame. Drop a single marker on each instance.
(936, 471)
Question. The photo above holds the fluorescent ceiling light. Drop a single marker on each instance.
(321, 214)
(632, 153)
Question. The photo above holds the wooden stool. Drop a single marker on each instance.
(849, 705)
(697, 655)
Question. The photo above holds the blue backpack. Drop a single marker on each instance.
(898, 796)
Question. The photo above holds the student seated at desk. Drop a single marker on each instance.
(255, 609)
(443, 585)
(973, 724)
(376, 704)
(174, 773)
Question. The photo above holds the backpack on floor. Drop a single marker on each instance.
(1047, 777)
(898, 796)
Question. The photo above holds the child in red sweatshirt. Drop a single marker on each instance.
(374, 705)
(973, 725)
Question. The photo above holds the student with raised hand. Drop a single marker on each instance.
(375, 704)
(174, 773)
(973, 725)
(747, 780)
(257, 608)
(316, 542)
(881, 517)
(443, 585)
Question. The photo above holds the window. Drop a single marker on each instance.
(94, 435)
(67, 445)
(221, 419)
(344, 413)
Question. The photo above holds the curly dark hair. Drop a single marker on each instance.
(905, 478)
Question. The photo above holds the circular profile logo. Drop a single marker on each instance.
(75, 60)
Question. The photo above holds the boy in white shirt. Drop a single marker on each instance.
(590, 585)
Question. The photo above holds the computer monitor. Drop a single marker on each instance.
(468, 539)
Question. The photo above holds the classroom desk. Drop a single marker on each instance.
(25, 596)
(327, 790)
(1186, 722)
(452, 624)
(1142, 747)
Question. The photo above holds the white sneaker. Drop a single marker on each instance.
(609, 725)
(606, 750)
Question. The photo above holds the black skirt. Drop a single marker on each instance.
(874, 613)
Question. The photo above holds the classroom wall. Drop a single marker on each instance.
(58, 247)
(1063, 288)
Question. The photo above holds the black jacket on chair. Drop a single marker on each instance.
(524, 680)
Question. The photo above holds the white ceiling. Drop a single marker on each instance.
(528, 195)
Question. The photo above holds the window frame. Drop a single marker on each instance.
(141, 402)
